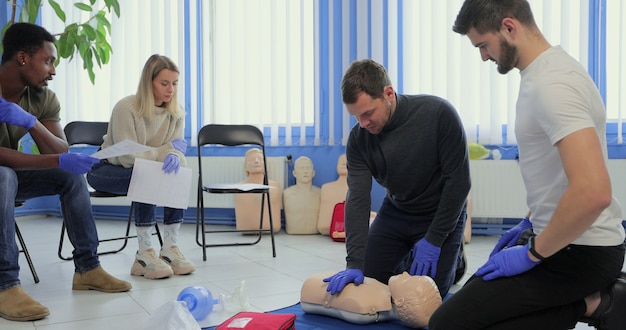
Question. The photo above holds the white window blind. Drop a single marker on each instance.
(144, 28)
(277, 64)
(262, 65)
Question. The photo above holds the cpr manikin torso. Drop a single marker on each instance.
(410, 299)
(331, 194)
(302, 200)
(247, 206)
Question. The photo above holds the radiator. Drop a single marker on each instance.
(219, 169)
(498, 190)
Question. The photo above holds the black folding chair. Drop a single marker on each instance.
(231, 135)
(23, 248)
(92, 133)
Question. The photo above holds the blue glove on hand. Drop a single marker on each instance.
(171, 163)
(506, 263)
(77, 163)
(13, 114)
(341, 279)
(425, 258)
(511, 237)
(180, 145)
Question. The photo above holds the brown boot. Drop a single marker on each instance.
(98, 279)
(17, 305)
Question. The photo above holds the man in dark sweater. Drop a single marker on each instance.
(415, 147)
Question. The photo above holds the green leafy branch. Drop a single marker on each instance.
(88, 39)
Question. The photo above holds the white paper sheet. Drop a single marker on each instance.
(149, 184)
(120, 149)
(239, 186)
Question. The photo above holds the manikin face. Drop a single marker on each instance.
(303, 170)
(494, 47)
(254, 162)
(164, 86)
(39, 68)
(373, 114)
(342, 165)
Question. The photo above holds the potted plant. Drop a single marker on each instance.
(88, 38)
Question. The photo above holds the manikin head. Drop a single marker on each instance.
(303, 170)
(254, 162)
(416, 298)
(342, 165)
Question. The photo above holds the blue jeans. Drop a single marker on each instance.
(77, 216)
(115, 179)
(392, 236)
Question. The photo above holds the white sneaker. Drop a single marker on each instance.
(177, 261)
(150, 266)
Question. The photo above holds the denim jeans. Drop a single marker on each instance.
(77, 216)
(115, 179)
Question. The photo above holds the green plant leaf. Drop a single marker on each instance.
(102, 20)
(83, 6)
(57, 9)
(113, 4)
(88, 39)
(65, 47)
(89, 31)
(30, 10)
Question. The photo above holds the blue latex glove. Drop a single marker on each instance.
(337, 282)
(77, 163)
(171, 163)
(180, 145)
(425, 258)
(506, 263)
(13, 114)
(511, 237)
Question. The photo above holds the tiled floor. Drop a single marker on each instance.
(271, 283)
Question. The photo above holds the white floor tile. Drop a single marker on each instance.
(270, 283)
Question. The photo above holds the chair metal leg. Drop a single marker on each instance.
(200, 228)
(26, 254)
(126, 237)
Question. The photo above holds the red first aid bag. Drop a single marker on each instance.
(259, 321)
(337, 230)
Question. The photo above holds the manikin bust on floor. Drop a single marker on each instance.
(302, 200)
(247, 206)
(410, 299)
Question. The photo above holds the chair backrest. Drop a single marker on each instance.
(230, 135)
(86, 132)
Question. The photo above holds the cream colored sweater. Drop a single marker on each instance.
(157, 131)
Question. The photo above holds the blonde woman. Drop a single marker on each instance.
(154, 118)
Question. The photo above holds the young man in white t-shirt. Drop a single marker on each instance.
(567, 266)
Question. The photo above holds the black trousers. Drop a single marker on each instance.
(549, 296)
(392, 236)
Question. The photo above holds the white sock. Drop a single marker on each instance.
(144, 238)
(170, 235)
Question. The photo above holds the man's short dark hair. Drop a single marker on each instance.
(364, 76)
(487, 15)
(25, 37)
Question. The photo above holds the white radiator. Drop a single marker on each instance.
(498, 190)
(220, 169)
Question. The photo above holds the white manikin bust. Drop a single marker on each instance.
(332, 193)
(248, 206)
(302, 200)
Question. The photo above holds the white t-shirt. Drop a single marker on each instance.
(557, 98)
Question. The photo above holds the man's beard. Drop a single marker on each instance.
(508, 54)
